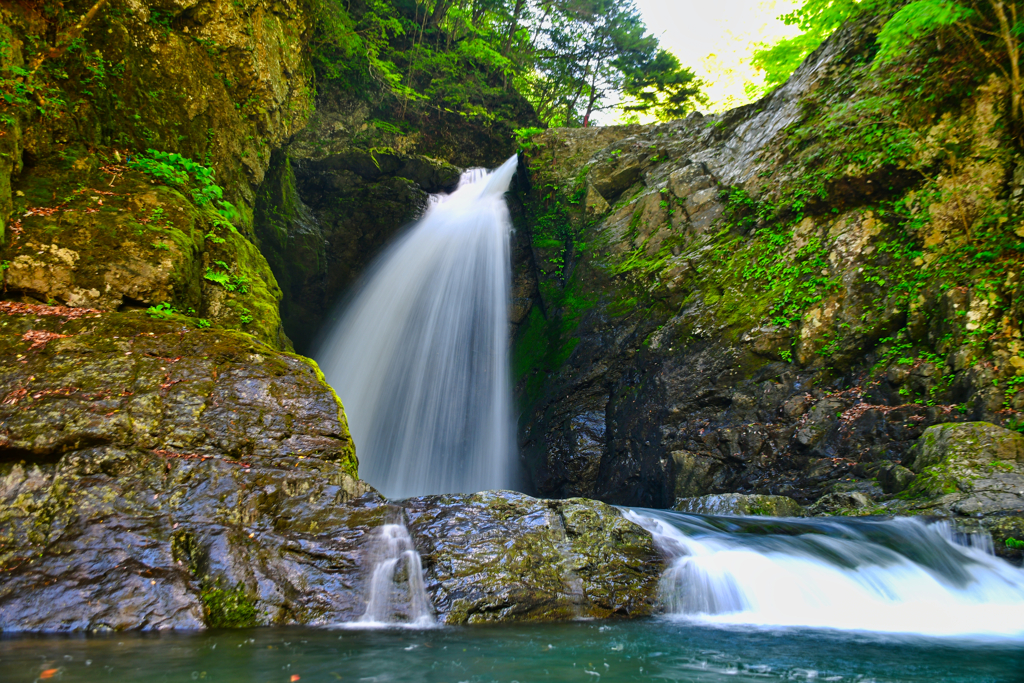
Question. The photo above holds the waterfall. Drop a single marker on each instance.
(396, 596)
(420, 355)
(898, 576)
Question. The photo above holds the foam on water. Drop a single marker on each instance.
(420, 355)
(889, 576)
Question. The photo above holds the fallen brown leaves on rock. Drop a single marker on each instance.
(40, 338)
(66, 312)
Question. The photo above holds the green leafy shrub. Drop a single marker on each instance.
(179, 171)
(524, 138)
(226, 279)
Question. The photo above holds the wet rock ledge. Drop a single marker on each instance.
(156, 476)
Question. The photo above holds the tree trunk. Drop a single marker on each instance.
(440, 10)
(513, 27)
(593, 96)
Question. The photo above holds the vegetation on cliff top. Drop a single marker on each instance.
(989, 28)
(569, 58)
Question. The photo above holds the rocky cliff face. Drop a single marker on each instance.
(165, 462)
(221, 83)
(780, 299)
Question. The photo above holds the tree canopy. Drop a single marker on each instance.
(568, 58)
(989, 29)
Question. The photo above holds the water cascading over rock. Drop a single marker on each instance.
(420, 355)
(901, 575)
(396, 595)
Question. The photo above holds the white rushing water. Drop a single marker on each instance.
(893, 576)
(420, 355)
(396, 595)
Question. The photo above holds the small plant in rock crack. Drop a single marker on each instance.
(162, 311)
(227, 280)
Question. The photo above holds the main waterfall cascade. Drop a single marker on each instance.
(420, 355)
(894, 576)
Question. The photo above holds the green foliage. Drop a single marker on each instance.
(590, 49)
(663, 87)
(524, 138)
(181, 172)
(162, 311)
(778, 61)
(221, 278)
(913, 21)
(353, 50)
(817, 20)
(988, 29)
(462, 57)
(797, 277)
(227, 280)
(1014, 543)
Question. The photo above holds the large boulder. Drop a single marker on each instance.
(504, 556)
(976, 467)
(153, 475)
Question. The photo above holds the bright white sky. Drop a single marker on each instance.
(715, 38)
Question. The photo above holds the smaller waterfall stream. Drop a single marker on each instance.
(892, 576)
(396, 596)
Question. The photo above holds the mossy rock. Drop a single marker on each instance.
(504, 556)
(740, 504)
(134, 381)
(114, 240)
(182, 468)
(972, 444)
